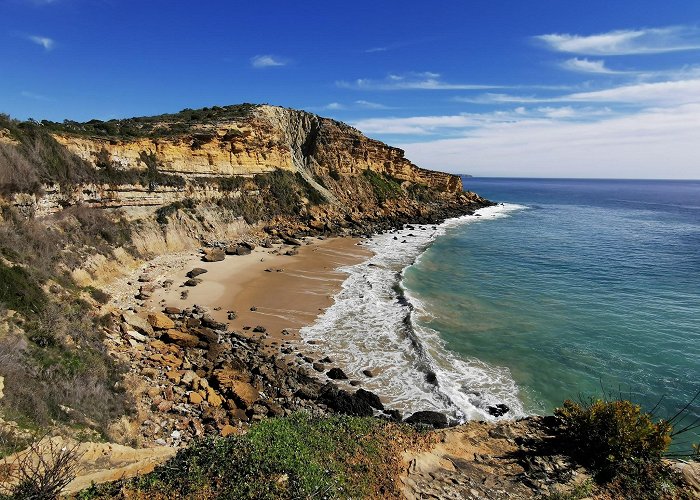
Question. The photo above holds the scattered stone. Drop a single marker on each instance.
(369, 373)
(336, 374)
(253, 308)
(232, 315)
(319, 367)
(192, 282)
(195, 398)
(172, 310)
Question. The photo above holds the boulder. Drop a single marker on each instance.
(181, 338)
(498, 410)
(371, 398)
(196, 272)
(343, 402)
(210, 322)
(213, 255)
(244, 394)
(137, 323)
(259, 329)
(195, 398)
(369, 372)
(336, 374)
(430, 418)
(213, 398)
(160, 321)
(192, 282)
(172, 310)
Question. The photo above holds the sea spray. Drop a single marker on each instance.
(375, 324)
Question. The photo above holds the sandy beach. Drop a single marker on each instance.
(281, 293)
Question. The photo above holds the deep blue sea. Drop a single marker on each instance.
(573, 288)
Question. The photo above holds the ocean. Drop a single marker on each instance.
(566, 289)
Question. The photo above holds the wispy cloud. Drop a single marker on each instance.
(44, 41)
(460, 124)
(653, 143)
(590, 66)
(334, 106)
(672, 92)
(376, 49)
(370, 105)
(267, 61)
(410, 81)
(32, 95)
(626, 42)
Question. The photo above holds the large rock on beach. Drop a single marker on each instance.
(193, 273)
(181, 338)
(431, 418)
(213, 255)
(336, 374)
(160, 321)
(343, 402)
(138, 323)
(370, 398)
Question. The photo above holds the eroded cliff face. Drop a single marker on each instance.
(270, 138)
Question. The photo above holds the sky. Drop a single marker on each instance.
(543, 88)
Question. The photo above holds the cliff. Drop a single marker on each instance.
(195, 156)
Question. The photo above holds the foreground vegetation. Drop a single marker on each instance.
(295, 457)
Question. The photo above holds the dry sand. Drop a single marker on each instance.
(286, 292)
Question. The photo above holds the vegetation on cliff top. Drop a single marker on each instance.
(165, 125)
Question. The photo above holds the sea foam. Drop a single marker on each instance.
(375, 324)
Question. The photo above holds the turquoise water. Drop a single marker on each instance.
(593, 285)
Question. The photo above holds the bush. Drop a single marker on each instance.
(19, 291)
(384, 186)
(606, 435)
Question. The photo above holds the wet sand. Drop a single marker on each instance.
(284, 292)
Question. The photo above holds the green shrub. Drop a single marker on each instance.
(384, 186)
(607, 434)
(19, 291)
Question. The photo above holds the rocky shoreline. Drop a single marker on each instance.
(190, 375)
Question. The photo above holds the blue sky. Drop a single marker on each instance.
(545, 88)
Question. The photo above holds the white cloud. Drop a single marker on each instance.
(370, 105)
(658, 93)
(376, 49)
(267, 61)
(410, 81)
(589, 66)
(640, 94)
(461, 124)
(334, 106)
(44, 41)
(626, 42)
(654, 143)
